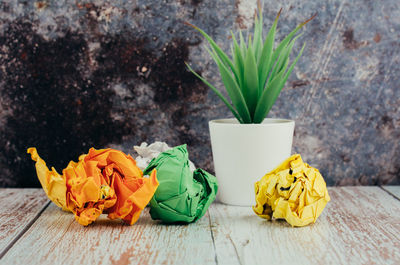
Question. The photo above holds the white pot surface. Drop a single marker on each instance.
(244, 153)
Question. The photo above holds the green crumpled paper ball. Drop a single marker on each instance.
(182, 196)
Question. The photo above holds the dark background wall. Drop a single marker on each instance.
(76, 74)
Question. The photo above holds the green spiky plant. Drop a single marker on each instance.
(255, 75)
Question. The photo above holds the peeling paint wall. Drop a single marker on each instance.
(76, 74)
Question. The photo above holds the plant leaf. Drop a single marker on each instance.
(242, 43)
(271, 93)
(219, 94)
(233, 89)
(291, 44)
(258, 40)
(224, 58)
(238, 77)
(267, 98)
(264, 71)
(250, 88)
(285, 42)
(283, 58)
(289, 71)
(238, 60)
(266, 55)
(249, 40)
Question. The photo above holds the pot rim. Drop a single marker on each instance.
(267, 122)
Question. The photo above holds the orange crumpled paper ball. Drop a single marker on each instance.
(102, 181)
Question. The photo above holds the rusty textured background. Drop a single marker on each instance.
(76, 74)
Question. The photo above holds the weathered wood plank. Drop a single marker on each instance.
(56, 238)
(18, 208)
(361, 225)
(394, 190)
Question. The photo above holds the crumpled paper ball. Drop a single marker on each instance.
(182, 196)
(102, 181)
(147, 152)
(293, 191)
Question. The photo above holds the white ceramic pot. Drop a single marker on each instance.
(243, 153)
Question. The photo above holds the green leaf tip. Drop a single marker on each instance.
(259, 6)
(190, 25)
(279, 14)
(308, 20)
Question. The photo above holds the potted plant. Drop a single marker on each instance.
(246, 148)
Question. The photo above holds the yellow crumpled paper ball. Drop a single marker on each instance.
(293, 191)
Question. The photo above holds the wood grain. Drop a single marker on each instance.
(361, 225)
(18, 208)
(394, 190)
(56, 238)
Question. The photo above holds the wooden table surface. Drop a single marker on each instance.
(361, 225)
